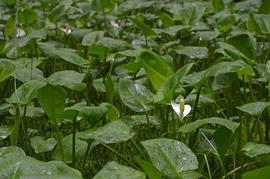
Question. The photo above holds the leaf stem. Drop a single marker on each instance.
(74, 140)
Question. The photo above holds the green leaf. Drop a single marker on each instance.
(172, 30)
(135, 96)
(252, 149)
(241, 46)
(157, 69)
(254, 108)
(52, 100)
(149, 169)
(198, 78)
(7, 69)
(113, 132)
(92, 37)
(207, 35)
(102, 5)
(113, 44)
(135, 120)
(147, 31)
(224, 139)
(27, 16)
(13, 47)
(226, 22)
(224, 80)
(93, 114)
(133, 5)
(27, 74)
(80, 147)
(15, 164)
(259, 23)
(190, 175)
(261, 173)
(265, 7)
(166, 91)
(40, 145)
(218, 5)
(113, 170)
(193, 126)
(189, 14)
(66, 54)
(193, 52)
(4, 133)
(68, 78)
(170, 157)
(112, 113)
(25, 93)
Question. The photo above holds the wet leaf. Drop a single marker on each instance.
(193, 52)
(134, 95)
(15, 164)
(40, 145)
(115, 170)
(113, 132)
(170, 157)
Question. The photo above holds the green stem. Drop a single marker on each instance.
(193, 137)
(236, 169)
(208, 167)
(147, 118)
(59, 140)
(215, 150)
(86, 153)
(146, 41)
(104, 65)
(119, 155)
(74, 140)
(138, 148)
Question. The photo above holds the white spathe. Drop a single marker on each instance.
(176, 108)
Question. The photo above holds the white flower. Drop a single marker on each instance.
(66, 30)
(20, 32)
(180, 108)
(114, 24)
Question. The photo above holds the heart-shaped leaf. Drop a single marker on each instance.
(68, 78)
(113, 132)
(170, 157)
(25, 93)
(193, 126)
(40, 145)
(14, 163)
(7, 69)
(254, 108)
(52, 100)
(134, 95)
(66, 54)
(117, 171)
